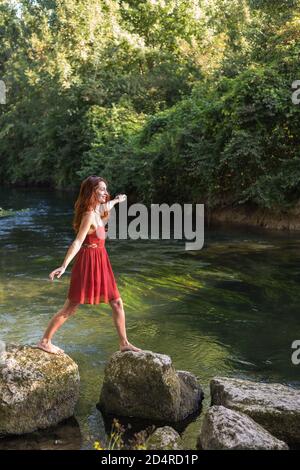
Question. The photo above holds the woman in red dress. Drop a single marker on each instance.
(92, 277)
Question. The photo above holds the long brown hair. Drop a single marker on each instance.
(87, 199)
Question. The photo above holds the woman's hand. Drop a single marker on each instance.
(57, 272)
(121, 197)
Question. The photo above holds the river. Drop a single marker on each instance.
(229, 309)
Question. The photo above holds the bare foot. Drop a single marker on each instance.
(58, 349)
(128, 347)
(49, 347)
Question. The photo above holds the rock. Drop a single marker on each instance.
(145, 385)
(37, 389)
(223, 428)
(190, 389)
(165, 438)
(92, 429)
(276, 407)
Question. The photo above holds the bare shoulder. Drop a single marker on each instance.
(87, 218)
(89, 212)
(89, 215)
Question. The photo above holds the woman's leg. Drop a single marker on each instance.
(56, 322)
(118, 315)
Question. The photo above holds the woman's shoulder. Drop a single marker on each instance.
(88, 217)
(88, 213)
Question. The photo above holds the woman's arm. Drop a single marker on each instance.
(107, 206)
(85, 225)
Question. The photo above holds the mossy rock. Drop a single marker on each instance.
(274, 406)
(37, 389)
(145, 385)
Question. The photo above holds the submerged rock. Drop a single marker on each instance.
(37, 389)
(92, 428)
(165, 438)
(146, 385)
(223, 428)
(276, 407)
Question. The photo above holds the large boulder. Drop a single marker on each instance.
(145, 385)
(37, 389)
(223, 428)
(276, 407)
(165, 438)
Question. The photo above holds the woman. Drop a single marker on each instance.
(92, 278)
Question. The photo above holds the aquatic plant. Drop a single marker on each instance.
(116, 441)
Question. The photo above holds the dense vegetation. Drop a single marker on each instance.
(179, 100)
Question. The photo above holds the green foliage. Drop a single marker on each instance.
(232, 142)
(184, 101)
(109, 134)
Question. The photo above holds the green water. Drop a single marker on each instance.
(229, 309)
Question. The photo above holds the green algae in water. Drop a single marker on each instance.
(8, 212)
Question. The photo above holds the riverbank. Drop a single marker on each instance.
(246, 215)
(255, 217)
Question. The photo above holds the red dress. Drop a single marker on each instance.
(92, 277)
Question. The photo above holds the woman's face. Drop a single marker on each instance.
(101, 192)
